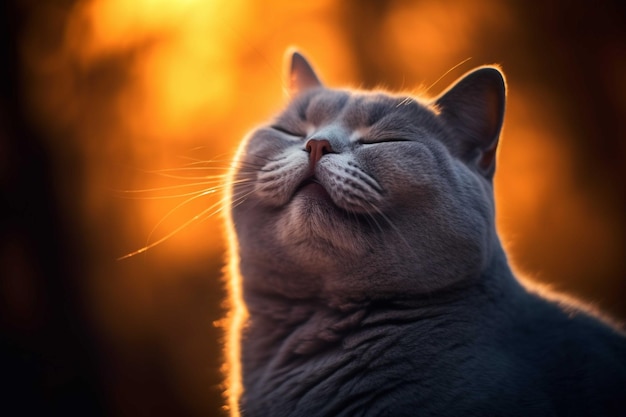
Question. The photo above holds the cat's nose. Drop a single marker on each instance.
(317, 148)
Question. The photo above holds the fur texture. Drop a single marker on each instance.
(374, 281)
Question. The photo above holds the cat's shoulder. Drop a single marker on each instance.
(555, 331)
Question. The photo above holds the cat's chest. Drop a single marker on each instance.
(371, 371)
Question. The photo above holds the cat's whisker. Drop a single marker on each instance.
(240, 197)
(391, 225)
(167, 236)
(204, 191)
(234, 202)
(220, 205)
(204, 215)
(219, 186)
(200, 163)
(407, 100)
(191, 168)
(372, 219)
(224, 166)
(175, 173)
(168, 187)
(178, 206)
(213, 164)
(218, 177)
(446, 73)
(248, 164)
(212, 210)
(265, 158)
(227, 156)
(146, 194)
(194, 170)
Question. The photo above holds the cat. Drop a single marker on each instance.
(368, 276)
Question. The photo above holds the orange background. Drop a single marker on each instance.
(120, 98)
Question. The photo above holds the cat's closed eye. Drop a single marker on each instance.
(286, 131)
(374, 140)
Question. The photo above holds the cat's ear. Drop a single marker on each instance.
(474, 108)
(300, 74)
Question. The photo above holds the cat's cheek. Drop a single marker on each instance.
(350, 187)
(278, 180)
(408, 178)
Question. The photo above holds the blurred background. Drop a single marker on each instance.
(112, 112)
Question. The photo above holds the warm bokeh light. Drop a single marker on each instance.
(183, 75)
(142, 104)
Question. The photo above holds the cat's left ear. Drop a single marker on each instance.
(300, 74)
(474, 108)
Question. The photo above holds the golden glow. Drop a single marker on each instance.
(236, 316)
(183, 73)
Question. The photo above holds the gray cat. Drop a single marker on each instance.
(364, 248)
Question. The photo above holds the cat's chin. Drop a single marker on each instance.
(313, 220)
(313, 190)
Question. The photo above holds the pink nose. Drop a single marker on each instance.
(317, 148)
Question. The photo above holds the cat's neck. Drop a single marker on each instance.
(318, 320)
(495, 279)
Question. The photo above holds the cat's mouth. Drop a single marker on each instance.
(311, 187)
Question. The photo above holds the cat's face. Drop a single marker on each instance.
(369, 194)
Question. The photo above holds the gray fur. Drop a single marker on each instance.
(389, 294)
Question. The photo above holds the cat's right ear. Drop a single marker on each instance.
(300, 74)
(474, 108)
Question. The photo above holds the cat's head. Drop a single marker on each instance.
(369, 194)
